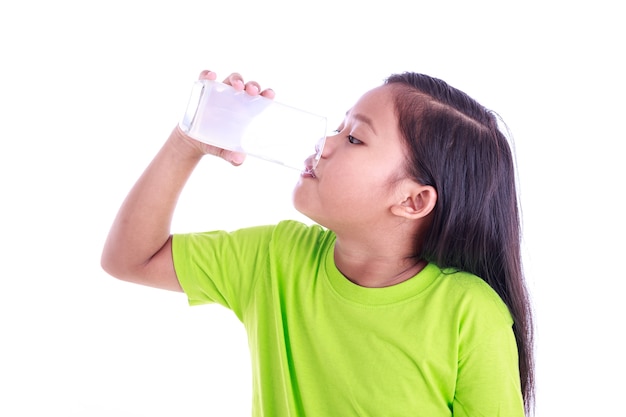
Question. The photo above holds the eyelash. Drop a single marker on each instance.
(351, 138)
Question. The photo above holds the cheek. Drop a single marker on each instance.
(356, 188)
(343, 186)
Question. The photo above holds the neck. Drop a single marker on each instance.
(376, 266)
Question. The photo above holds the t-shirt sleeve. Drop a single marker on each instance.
(222, 267)
(488, 382)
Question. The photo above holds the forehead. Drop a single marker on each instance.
(381, 96)
(377, 106)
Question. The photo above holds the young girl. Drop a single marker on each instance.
(408, 297)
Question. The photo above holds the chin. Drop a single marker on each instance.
(306, 203)
(301, 207)
(298, 199)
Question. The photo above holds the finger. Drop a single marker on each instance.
(236, 81)
(268, 93)
(207, 75)
(235, 158)
(253, 88)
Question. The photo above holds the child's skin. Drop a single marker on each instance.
(362, 192)
(359, 190)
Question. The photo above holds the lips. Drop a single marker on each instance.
(309, 172)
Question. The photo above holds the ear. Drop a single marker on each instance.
(418, 201)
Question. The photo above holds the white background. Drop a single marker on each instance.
(90, 90)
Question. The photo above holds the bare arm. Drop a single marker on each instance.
(138, 247)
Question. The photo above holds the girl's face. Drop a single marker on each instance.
(354, 184)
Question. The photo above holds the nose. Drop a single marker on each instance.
(312, 161)
(319, 147)
(328, 145)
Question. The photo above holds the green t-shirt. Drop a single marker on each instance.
(438, 344)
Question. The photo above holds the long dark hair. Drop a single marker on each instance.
(455, 146)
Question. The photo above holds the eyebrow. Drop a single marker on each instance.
(365, 119)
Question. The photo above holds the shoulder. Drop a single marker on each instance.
(474, 289)
(480, 316)
(291, 233)
(472, 300)
(297, 227)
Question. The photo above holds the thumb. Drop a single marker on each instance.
(235, 158)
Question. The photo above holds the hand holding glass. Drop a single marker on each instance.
(219, 115)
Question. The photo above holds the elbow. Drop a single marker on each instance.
(114, 266)
(157, 270)
(108, 265)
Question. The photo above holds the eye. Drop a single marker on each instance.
(353, 140)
